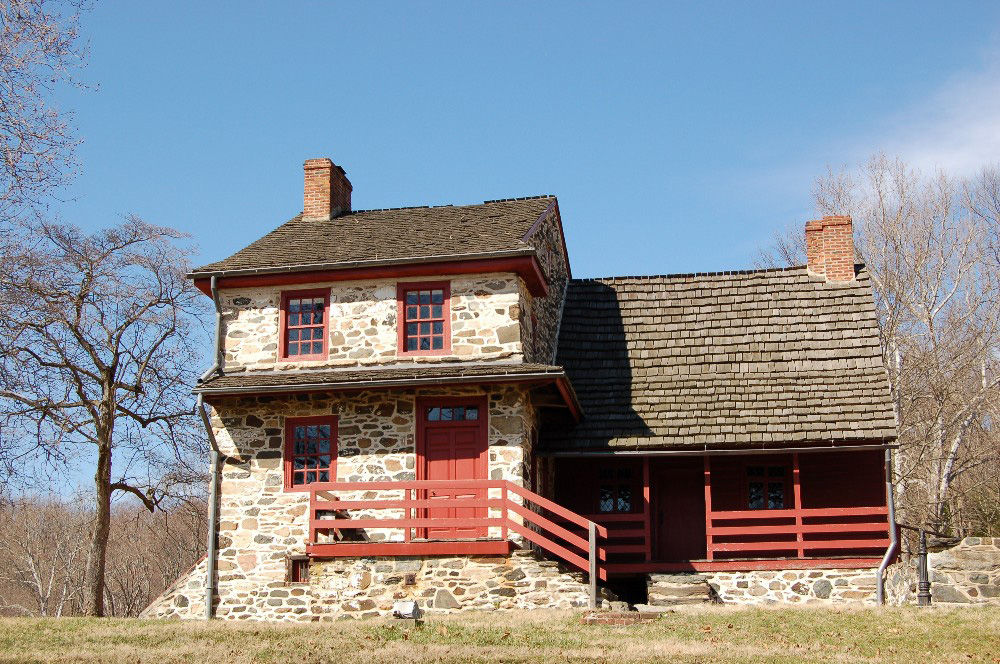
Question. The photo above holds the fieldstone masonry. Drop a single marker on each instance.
(794, 586)
(485, 324)
(967, 573)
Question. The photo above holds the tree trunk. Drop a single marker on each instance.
(97, 558)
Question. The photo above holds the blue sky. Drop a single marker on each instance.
(678, 137)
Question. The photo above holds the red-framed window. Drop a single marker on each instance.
(310, 451)
(305, 322)
(766, 486)
(424, 318)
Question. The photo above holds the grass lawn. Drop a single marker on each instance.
(716, 634)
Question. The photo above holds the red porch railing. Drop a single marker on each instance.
(802, 533)
(499, 509)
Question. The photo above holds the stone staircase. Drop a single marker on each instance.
(665, 591)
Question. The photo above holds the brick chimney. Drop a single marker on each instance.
(830, 247)
(327, 190)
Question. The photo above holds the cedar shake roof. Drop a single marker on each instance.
(733, 359)
(401, 234)
(354, 378)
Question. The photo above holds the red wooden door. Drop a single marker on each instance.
(452, 445)
(678, 518)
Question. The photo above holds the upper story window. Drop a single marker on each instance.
(766, 487)
(310, 451)
(424, 318)
(304, 324)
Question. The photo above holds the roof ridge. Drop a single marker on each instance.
(679, 275)
(519, 198)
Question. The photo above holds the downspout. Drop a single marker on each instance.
(213, 487)
(890, 553)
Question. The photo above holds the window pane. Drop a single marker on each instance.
(433, 414)
(317, 347)
(436, 311)
(323, 446)
(606, 501)
(425, 311)
(411, 343)
(300, 433)
(446, 414)
(411, 298)
(293, 348)
(437, 343)
(299, 463)
(459, 413)
(310, 477)
(324, 430)
(756, 496)
(318, 316)
(425, 328)
(324, 461)
(411, 328)
(472, 413)
(437, 296)
(425, 343)
(438, 328)
(411, 313)
(775, 496)
(293, 319)
(776, 471)
(755, 471)
(425, 297)
(624, 498)
(324, 476)
(294, 306)
(293, 335)
(317, 333)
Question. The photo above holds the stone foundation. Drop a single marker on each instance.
(368, 587)
(967, 573)
(794, 586)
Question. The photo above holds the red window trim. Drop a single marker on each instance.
(786, 480)
(402, 288)
(283, 326)
(290, 424)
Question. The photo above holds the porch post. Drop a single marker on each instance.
(646, 511)
(708, 508)
(592, 562)
(797, 491)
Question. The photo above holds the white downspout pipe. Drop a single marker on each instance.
(213, 487)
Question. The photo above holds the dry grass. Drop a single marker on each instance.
(716, 634)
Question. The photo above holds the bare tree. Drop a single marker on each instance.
(40, 49)
(42, 556)
(97, 357)
(930, 244)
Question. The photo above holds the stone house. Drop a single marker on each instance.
(423, 404)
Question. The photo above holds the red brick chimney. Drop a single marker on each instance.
(327, 190)
(830, 247)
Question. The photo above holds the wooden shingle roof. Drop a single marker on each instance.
(454, 231)
(734, 359)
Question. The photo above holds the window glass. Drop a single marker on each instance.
(313, 453)
(424, 316)
(305, 329)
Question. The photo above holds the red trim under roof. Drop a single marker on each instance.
(525, 266)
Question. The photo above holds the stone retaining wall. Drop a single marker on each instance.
(967, 573)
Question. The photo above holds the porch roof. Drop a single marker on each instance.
(732, 359)
(364, 378)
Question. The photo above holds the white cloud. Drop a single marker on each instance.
(956, 129)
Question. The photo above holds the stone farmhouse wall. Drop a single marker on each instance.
(367, 587)
(543, 312)
(804, 586)
(485, 323)
(260, 523)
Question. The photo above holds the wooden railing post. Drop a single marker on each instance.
(797, 492)
(708, 508)
(592, 559)
(504, 511)
(407, 512)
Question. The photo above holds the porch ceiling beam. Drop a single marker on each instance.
(702, 451)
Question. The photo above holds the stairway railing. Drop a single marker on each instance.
(468, 509)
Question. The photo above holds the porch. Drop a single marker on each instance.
(621, 516)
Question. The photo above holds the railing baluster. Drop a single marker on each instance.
(504, 511)
(407, 513)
